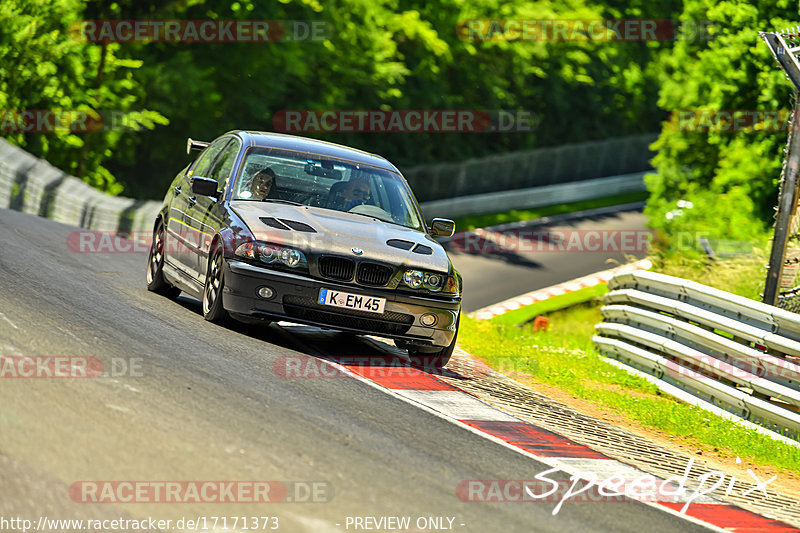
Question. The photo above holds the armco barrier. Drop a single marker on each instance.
(34, 186)
(736, 353)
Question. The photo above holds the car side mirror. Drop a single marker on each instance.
(204, 186)
(442, 227)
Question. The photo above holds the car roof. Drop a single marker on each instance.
(313, 146)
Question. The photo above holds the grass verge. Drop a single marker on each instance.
(483, 221)
(529, 312)
(565, 358)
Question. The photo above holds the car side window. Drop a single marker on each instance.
(203, 162)
(223, 165)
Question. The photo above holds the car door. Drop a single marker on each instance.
(185, 240)
(172, 223)
(204, 217)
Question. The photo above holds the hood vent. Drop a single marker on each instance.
(408, 245)
(287, 225)
(397, 243)
(273, 223)
(422, 249)
(298, 226)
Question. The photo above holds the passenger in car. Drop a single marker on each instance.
(263, 185)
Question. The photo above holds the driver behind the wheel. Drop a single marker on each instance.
(355, 193)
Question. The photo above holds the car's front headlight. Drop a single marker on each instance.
(273, 254)
(431, 281)
(414, 278)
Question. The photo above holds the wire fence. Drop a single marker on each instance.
(532, 168)
(790, 300)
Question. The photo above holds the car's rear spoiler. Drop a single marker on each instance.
(191, 144)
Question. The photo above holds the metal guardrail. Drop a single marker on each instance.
(34, 186)
(736, 353)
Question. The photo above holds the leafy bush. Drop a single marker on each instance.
(43, 67)
(726, 182)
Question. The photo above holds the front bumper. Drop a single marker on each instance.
(295, 300)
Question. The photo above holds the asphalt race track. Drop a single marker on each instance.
(496, 273)
(204, 403)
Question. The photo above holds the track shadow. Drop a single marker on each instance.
(365, 355)
(265, 332)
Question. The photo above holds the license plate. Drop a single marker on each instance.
(351, 301)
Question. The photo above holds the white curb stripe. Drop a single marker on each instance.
(529, 298)
(458, 405)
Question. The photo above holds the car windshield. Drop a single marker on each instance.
(270, 175)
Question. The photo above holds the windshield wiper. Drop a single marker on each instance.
(278, 201)
(378, 218)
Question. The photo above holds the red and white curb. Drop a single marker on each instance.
(438, 397)
(562, 288)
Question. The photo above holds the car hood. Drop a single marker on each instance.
(339, 233)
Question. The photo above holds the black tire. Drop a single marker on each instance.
(213, 287)
(155, 266)
(435, 359)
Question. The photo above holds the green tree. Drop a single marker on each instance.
(43, 66)
(729, 177)
(391, 55)
(398, 54)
